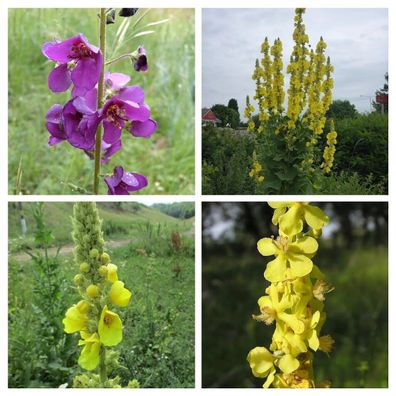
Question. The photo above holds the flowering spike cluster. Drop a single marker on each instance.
(100, 291)
(255, 172)
(294, 299)
(329, 151)
(249, 109)
(79, 64)
(277, 91)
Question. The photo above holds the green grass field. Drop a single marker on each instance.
(158, 337)
(167, 158)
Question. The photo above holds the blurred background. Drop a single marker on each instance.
(167, 158)
(353, 253)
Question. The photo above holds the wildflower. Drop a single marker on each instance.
(139, 59)
(115, 81)
(110, 328)
(320, 288)
(54, 124)
(89, 357)
(261, 361)
(75, 318)
(111, 274)
(125, 106)
(290, 216)
(121, 182)
(78, 61)
(119, 295)
(292, 258)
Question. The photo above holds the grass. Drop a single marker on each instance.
(167, 159)
(158, 337)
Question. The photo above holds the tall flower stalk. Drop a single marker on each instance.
(101, 293)
(294, 299)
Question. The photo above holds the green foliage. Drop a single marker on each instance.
(228, 116)
(180, 210)
(340, 109)
(167, 158)
(233, 104)
(158, 343)
(382, 91)
(362, 147)
(227, 159)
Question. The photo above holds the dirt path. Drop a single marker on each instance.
(68, 249)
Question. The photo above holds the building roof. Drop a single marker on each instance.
(208, 115)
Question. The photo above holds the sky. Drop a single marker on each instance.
(357, 42)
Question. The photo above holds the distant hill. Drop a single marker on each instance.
(180, 210)
(120, 220)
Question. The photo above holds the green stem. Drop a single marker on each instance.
(117, 59)
(98, 143)
(102, 367)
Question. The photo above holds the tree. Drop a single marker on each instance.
(233, 104)
(382, 91)
(340, 109)
(228, 117)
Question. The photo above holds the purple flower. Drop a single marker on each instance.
(121, 182)
(54, 124)
(115, 81)
(78, 62)
(127, 105)
(139, 58)
(143, 128)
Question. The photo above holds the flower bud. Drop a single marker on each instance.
(78, 279)
(103, 271)
(94, 253)
(92, 291)
(105, 258)
(84, 267)
(83, 306)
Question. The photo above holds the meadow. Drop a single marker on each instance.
(167, 158)
(158, 343)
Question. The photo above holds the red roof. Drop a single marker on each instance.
(208, 115)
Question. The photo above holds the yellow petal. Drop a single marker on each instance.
(313, 340)
(270, 378)
(315, 217)
(300, 265)
(112, 273)
(291, 223)
(74, 320)
(261, 361)
(288, 364)
(277, 205)
(267, 247)
(315, 319)
(119, 295)
(110, 328)
(276, 269)
(296, 325)
(89, 357)
(307, 245)
(277, 214)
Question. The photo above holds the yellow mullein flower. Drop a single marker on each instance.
(89, 357)
(119, 295)
(290, 216)
(76, 317)
(112, 273)
(261, 362)
(109, 328)
(292, 258)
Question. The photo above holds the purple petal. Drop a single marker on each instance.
(56, 130)
(90, 46)
(87, 104)
(134, 181)
(112, 132)
(133, 94)
(143, 129)
(109, 150)
(59, 78)
(116, 81)
(134, 112)
(54, 114)
(53, 140)
(141, 63)
(59, 51)
(85, 76)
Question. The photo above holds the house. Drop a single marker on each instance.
(209, 118)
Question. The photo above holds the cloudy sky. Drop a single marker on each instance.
(357, 45)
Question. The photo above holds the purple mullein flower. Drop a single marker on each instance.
(139, 58)
(78, 62)
(122, 183)
(115, 81)
(54, 124)
(127, 105)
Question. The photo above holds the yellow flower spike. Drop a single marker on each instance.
(119, 295)
(110, 328)
(261, 361)
(90, 354)
(75, 318)
(112, 273)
